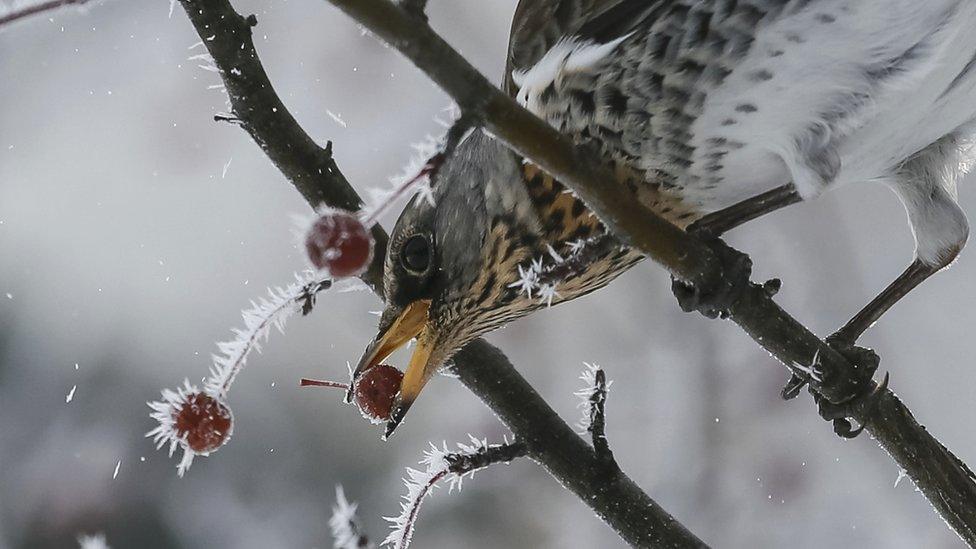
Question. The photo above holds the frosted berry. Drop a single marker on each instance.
(339, 243)
(204, 422)
(375, 390)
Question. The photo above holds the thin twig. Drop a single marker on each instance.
(598, 417)
(35, 9)
(440, 465)
(427, 172)
(259, 110)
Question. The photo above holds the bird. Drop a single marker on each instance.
(711, 112)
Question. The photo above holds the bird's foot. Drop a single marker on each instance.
(715, 299)
(865, 395)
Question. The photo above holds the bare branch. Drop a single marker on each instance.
(945, 481)
(259, 110)
(35, 9)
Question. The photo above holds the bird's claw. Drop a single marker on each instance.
(865, 362)
(839, 414)
(794, 386)
(715, 300)
(866, 395)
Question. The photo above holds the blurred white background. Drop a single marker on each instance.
(124, 250)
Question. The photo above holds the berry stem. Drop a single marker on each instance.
(459, 131)
(306, 382)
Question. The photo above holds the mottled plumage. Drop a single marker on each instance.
(697, 105)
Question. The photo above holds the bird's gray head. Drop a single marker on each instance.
(452, 264)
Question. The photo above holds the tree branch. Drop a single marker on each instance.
(416, 8)
(944, 479)
(35, 9)
(258, 109)
(482, 368)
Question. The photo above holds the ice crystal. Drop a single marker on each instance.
(813, 370)
(542, 276)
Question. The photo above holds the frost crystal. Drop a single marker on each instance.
(165, 412)
(901, 476)
(543, 274)
(344, 524)
(813, 370)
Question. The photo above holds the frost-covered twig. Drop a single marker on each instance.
(593, 399)
(229, 118)
(421, 172)
(22, 10)
(265, 313)
(198, 421)
(441, 464)
(344, 524)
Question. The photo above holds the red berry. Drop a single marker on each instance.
(339, 243)
(204, 422)
(375, 390)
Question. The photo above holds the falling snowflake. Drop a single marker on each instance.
(344, 524)
(92, 541)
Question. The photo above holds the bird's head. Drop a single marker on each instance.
(452, 265)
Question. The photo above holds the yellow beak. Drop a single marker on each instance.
(411, 323)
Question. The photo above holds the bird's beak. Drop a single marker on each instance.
(411, 323)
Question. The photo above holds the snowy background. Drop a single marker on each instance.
(126, 251)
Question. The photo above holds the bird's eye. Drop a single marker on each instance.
(415, 254)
